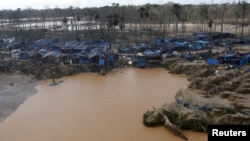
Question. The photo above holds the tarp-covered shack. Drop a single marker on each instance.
(212, 61)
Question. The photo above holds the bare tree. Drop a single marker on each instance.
(237, 16)
(243, 8)
(177, 11)
(65, 24)
(203, 14)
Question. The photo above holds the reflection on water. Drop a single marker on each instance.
(92, 107)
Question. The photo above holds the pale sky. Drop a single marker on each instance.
(41, 4)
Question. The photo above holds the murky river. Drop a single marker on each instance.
(92, 107)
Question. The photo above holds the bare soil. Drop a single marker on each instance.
(14, 90)
(223, 94)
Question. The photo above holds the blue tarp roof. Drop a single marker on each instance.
(55, 53)
(71, 45)
(229, 55)
(202, 42)
(195, 46)
(151, 53)
(180, 43)
(40, 43)
(56, 47)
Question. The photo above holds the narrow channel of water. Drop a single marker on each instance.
(92, 107)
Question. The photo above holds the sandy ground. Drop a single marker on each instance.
(14, 90)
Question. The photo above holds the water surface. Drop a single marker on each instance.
(92, 107)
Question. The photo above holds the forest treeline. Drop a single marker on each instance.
(103, 22)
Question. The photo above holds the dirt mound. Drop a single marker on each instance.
(187, 69)
(215, 95)
(234, 119)
(42, 70)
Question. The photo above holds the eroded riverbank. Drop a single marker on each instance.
(215, 95)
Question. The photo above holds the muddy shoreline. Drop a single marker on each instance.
(14, 90)
(215, 95)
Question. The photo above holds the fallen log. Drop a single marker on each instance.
(156, 117)
(152, 119)
(172, 127)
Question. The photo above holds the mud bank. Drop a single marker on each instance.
(14, 90)
(215, 95)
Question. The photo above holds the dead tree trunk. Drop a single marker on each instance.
(156, 117)
(172, 127)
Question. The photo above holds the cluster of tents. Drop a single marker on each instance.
(145, 53)
(52, 51)
(100, 53)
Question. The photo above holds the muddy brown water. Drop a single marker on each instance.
(92, 107)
